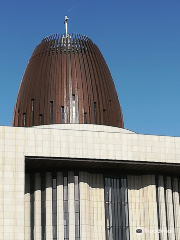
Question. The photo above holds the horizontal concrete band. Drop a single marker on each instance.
(89, 142)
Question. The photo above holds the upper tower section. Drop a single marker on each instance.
(67, 81)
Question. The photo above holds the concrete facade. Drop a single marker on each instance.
(93, 142)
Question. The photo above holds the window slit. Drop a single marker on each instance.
(24, 119)
(104, 116)
(95, 114)
(62, 115)
(77, 207)
(32, 112)
(116, 208)
(85, 118)
(51, 112)
(73, 109)
(65, 207)
(18, 118)
(41, 119)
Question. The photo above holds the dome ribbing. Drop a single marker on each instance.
(67, 81)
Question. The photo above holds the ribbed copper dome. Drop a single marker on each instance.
(67, 81)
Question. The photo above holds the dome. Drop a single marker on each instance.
(67, 81)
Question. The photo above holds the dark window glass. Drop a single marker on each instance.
(18, 118)
(77, 218)
(51, 112)
(62, 115)
(54, 206)
(66, 232)
(65, 194)
(76, 195)
(66, 216)
(54, 192)
(85, 118)
(95, 113)
(165, 196)
(104, 116)
(77, 207)
(65, 182)
(73, 109)
(76, 182)
(116, 208)
(157, 200)
(54, 232)
(41, 119)
(24, 119)
(65, 208)
(54, 183)
(77, 231)
(174, 210)
(54, 219)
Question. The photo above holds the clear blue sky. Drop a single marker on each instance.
(139, 39)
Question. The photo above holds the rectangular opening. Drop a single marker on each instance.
(116, 207)
(51, 112)
(62, 115)
(41, 119)
(85, 117)
(104, 116)
(95, 114)
(18, 118)
(65, 207)
(73, 109)
(77, 206)
(24, 119)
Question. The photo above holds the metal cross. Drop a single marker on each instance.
(66, 26)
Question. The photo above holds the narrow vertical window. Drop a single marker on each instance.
(32, 112)
(125, 212)
(104, 116)
(157, 201)
(43, 207)
(62, 115)
(117, 219)
(54, 207)
(32, 205)
(73, 109)
(108, 208)
(65, 207)
(24, 119)
(166, 203)
(85, 117)
(77, 207)
(95, 114)
(51, 112)
(41, 119)
(18, 118)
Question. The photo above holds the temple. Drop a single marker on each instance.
(69, 170)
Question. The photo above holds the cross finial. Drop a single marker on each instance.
(66, 26)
